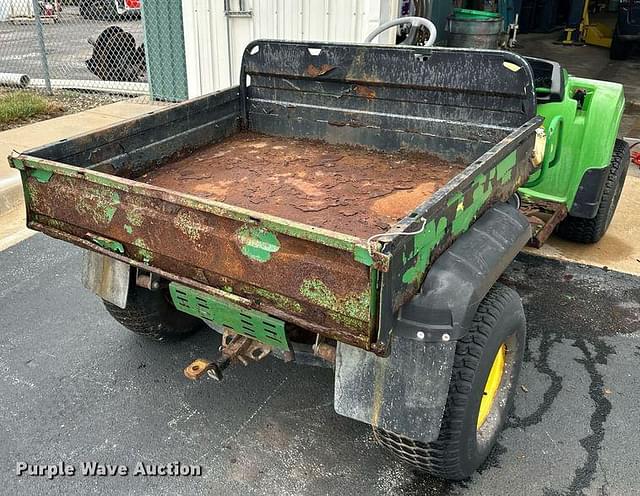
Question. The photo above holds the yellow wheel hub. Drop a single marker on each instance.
(492, 385)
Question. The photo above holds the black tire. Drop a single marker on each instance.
(619, 50)
(591, 230)
(461, 447)
(152, 315)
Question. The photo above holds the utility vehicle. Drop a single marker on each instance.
(351, 205)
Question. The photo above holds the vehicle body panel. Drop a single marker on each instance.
(585, 136)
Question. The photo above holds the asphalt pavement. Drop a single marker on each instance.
(77, 387)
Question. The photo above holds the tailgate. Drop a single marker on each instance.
(307, 276)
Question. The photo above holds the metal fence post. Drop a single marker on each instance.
(43, 53)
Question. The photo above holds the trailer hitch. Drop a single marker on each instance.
(234, 349)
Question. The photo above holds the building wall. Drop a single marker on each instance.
(214, 41)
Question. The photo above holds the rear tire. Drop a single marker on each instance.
(589, 231)
(462, 446)
(152, 315)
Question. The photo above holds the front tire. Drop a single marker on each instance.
(152, 315)
(590, 231)
(470, 427)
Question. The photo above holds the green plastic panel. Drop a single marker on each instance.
(250, 323)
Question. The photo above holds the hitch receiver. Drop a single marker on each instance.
(235, 348)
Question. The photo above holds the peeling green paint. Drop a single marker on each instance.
(466, 214)
(99, 203)
(31, 196)
(109, 244)
(424, 243)
(134, 217)
(106, 181)
(187, 222)
(16, 163)
(357, 306)
(228, 289)
(143, 251)
(56, 224)
(505, 168)
(328, 238)
(455, 198)
(281, 301)
(347, 310)
(317, 292)
(128, 228)
(361, 254)
(41, 175)
(257, 243)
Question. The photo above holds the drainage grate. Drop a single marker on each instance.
(250, 323)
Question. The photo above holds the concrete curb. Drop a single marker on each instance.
(10, 194)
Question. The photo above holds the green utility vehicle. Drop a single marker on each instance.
(351, 206)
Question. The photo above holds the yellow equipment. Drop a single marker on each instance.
(597, 33)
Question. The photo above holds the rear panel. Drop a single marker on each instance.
(292, 271)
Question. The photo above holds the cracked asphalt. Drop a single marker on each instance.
(77, 387)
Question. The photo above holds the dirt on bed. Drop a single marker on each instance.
(347, 189)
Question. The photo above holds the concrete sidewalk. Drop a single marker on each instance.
(619, 249)
(22, 138)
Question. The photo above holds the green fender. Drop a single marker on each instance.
(579, 140)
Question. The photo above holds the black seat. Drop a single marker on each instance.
(547, 74)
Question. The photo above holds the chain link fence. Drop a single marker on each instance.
(84, 45)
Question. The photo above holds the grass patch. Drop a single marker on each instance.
(22, 105)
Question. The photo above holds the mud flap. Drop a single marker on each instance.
(106, 277)
(404, 392)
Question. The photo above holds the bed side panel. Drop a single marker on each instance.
(135, 146)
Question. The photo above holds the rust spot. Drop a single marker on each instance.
(326, 352)
(365, 92)
(543, 216)
(347, 189)
(314, 71)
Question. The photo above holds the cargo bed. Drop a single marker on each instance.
(319, 191)
(348, 189)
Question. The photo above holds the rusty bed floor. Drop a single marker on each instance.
(347, 189)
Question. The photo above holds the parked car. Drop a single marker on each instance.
(109, 10)
(627, 31)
